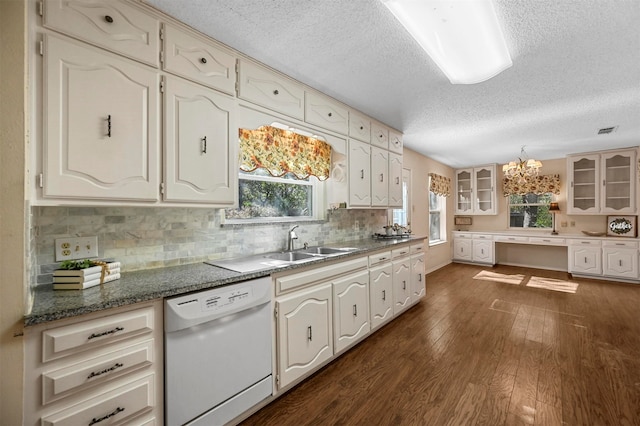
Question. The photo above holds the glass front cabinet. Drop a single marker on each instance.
(602, 183)
(476, 191)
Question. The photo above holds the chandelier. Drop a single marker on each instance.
(522, 169)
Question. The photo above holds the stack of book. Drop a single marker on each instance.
(78, 279)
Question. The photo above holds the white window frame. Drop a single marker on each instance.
(509, 205)
(442, 212)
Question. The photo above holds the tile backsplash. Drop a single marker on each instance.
(153, 237)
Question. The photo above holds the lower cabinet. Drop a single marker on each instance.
(401, 280)
(620, 262)
(418, 281)
(482, 251)
(350, 310)
(106, 366)
(476, 248)
(304, 327)
(585, 257)
(380, 289)
(462, 249)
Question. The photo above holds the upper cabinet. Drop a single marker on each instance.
(602, 183)
(395, 142)
(476, 191)
(359, 127)
(266, 88)
(379, 135)
(114, 25)
(101, 125)
(198, 60)
(326, 113)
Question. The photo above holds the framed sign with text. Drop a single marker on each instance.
(621, 226)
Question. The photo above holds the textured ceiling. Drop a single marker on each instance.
(576, 69)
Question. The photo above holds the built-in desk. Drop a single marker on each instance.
(595, 257)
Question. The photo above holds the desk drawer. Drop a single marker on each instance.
(511, 239)
(621, 244)
(548, 241)
(583, 242)
(482, 237)
(380, 257)
(404, 251)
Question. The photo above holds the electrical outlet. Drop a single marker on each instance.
(563, 224)
(76, 248)
(572, 223)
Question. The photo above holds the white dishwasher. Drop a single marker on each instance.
(217, 353)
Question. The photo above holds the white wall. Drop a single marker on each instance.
(13, 225)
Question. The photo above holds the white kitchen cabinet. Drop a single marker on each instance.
(326, 113)
(379, 135)
(380, 177)
(462, 247)
(115, 25)
(103, 365)
(350, 310)
(359, 127)
(476, 191)
(585, 257)
(200, 145)
(101, 137)
(304, 327)
(269, 89)
(418, 281)
(395, 180)
(620, 259)
(602, 183)
(395, 142)
(401, 279)
(198, 59)
(380, 289)
(482, 250)
(359, 174)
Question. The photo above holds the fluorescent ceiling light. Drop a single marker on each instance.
(463, 37)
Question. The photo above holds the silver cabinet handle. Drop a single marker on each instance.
(309, 334)
(404, 285)
(362, 174)
(276, 92)
(97, 420)
(106, 370)
(204, 145)
(105, 333)
(419, 277)
(355, 310)
(384, 295)
(109, 125)
(381, 177)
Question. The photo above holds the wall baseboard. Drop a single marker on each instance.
(435, 268)
(524, 265)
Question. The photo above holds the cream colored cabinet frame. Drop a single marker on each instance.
(359, 174)
(476, 191)
(462, 250)
(402, 289)
(350, 310)
(380, 177)
(381, 293)
(418, 279)
(395, 180)
(585, 257)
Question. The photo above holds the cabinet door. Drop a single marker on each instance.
(462, 249)
(101, 125)
(381, 294)
(395, 180)
(115, 25)
(359, 127)
(395, 142)
(326, 113)
(401, 284)
(620, 262)
(359, 174)
(482, 251)
(618, 183)
(379, 135)
(198, 60)
(379, 177)
(584, 190)
(464, 191)
(200, 145)
(587, 260)
(418, 281)
(304, 332)
(484, 190)
(350, 310)
(271, 90)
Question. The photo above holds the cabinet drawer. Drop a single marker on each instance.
(621, 244)
(63, 381)
(113, 25)
(548, 241)
(395, 142)
(379, 135)
(380, 257)
(399, 252)
(326, 113)
(416, 248)
(482, 237)
(198, 60)
(270, 90)
(62, 341)
(359, 127)
(291, 282)
(114, 406)
(511, 239)
(462, 235)
(581, 242)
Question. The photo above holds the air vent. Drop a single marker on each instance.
(607, 130)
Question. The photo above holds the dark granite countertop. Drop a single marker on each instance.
(139, 286)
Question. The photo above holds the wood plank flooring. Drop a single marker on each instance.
(485, 353)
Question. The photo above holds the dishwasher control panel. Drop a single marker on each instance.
(235, 297)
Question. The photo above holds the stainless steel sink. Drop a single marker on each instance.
(327, 251)
(289, 256)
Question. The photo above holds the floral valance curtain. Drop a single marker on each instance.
(439, 184)
(532, 184)
(282, 151)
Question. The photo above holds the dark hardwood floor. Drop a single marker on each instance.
(486, 353)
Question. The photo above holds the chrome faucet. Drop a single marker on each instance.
(292, 236)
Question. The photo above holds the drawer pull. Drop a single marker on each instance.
(585, 242)
(204, 145)
(355, 310)
(105, 333)
(546, 241)
(106, 370)
(361, 127)
(309, 334)
(382, 258)
(619, 244)
(404, 285)
(108, 19)
(384, 295)
(109, 125)
(115, 412)
(330, 115)
(275, 92)
(203, 60)
(419, 277)
(403, 252)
